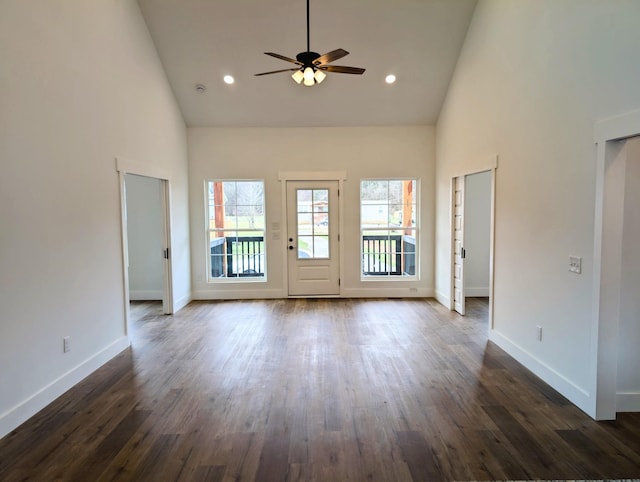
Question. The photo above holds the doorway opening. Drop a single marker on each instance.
(615, 328)
(146, 239)
(472, 238)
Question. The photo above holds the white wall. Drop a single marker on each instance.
(533, 78)
(477, 230)
(628, 377)
(80, 83)
(145, 234)
(377, 152)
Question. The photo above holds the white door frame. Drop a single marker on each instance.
(606, 266)
(128, 166)
(458, 207)
(490, 164)
(285, 176)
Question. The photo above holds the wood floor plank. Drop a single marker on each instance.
(315, 389)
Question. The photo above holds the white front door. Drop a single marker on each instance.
(458, 245)
(312, 238)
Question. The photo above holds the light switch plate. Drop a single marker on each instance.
(575, 264)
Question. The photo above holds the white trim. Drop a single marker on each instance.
(452, 234)
(551, 377)
(492, 244)
(604, 326)
(167, 263)
(628, 402)
(442, 299)
(286, 176)
(617, 127)
(145, 295)
(125, 249)
(399, 292)
(130, 166)
(312, 175)
(239, 294)
(486, 164)
(181, 302)
(36, 402)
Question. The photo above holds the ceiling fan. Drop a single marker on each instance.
(311, 66)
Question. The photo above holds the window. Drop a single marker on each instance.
(313, 223)
(236, 230)
(388, 214)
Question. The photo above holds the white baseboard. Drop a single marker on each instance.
(181, 302)
(443, 299)
(476, 292)
(379, 292)
(148, 295)
(246, 294)
(17, 415)
(373, 292)
(557, 381)
(628, 402)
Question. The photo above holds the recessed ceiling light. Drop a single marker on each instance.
(390, 79)
(200, 89)
(228, 79)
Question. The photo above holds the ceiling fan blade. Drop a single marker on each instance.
(331, 56)
(340, 69)
(282, 57)
(275, 72)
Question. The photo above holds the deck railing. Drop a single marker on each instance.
(233, 257)
(388, 255)
(381, 255)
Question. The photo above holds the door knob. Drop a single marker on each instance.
(291, 247)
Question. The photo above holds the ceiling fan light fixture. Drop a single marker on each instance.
(308, 74)
(310, 63)
(298, 75)
(319, 76)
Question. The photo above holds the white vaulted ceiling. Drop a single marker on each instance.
(200, 41)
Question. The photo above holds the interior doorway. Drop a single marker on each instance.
(606, 396)
(472, 227)
(145, 237)
(620, 269)
(132, 175)
(313, 254)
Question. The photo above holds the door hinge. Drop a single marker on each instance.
(338, 281)
(338, 237)
(463, 254)
(166, 253)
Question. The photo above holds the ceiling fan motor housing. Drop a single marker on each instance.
(307, 58)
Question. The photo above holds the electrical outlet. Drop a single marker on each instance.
(65, 344)
(538, 333)
(575, 264)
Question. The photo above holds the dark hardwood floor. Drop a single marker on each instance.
(316, 390)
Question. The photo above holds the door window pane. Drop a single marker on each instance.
(313, 223)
